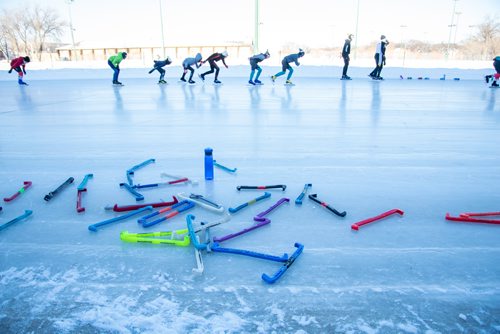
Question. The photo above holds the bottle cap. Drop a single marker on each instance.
(208, 151)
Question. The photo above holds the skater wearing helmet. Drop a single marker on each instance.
(158, 66)
(346, 50)
(379, 58)
(186, 65)
(496, 76)
(213, 66)
(285, 65)
(254, 61)
(19, 65)
(114, 63)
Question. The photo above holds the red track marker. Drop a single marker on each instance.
(357, 225)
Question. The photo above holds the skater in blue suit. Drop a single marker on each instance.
(187, 63)
(158, 66)
(285, 65)
(254, 61)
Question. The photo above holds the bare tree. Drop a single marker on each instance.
(26, 30)
(487, 38)
(46, 24)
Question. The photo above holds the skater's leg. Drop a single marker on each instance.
(20, 76)
(252, 72)
(210, 71)
(217, 69)
(290, 72)
(116, 70)
(192, 72)
(346, 65)
(184, 74)
(279, 74)
(259, 71)
(375, 70)
(162, 73)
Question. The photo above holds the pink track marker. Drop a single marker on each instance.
(357, 225)
(25, 186)
(472, 220)
(479, 214)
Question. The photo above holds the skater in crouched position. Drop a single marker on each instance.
(254, 65)
(285, 65)
(19, 65)
(496, 76)
(158, 66)
(213, 66)
(186, 65)
(114, 63)
(379, 58)
(346, 50)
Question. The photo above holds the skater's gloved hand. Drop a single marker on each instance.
(227, 66)
(10, 71)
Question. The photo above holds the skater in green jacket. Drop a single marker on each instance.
(114, 63)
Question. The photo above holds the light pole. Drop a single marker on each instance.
(456, 29)
(162, 35)
(403, 41)
(356, 34)
(451, 27)
(256, 27)
(69, 2)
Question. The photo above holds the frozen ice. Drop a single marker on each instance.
(427, 147)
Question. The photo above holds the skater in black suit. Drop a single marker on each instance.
(346, 50)
(379, 58)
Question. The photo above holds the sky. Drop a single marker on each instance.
(309, 23)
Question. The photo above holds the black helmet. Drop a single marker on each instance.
(267, 54)
(27, 59)
(124, 55)
(301, 53)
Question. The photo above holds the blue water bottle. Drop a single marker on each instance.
(209, 164)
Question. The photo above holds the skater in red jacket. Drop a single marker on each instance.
(19, 65)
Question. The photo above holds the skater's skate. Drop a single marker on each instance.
(495, 84)
(217, 82)
(118, 83)
(192, 82)
(258, 82)
(273, 78)
(251, 82)
(288, 82)
(162, 82)
(202, 77)
(183, 80)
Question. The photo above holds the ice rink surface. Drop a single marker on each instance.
(425, 147)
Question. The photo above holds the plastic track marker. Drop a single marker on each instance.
(118, 208)
(50, 195)
(131, 171)
(26, 185)
(230, 170)
(154, 185)
(177, 238)
(26, 214)
(286, 265)
(357, 225)
(472, 220)
(173, 211)
(95, 226)
(255, 200)
(216, 248)
(298, 200)
(260, 219)
(281, 186)
(314, 198)
(203, 202)
(138, 196)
